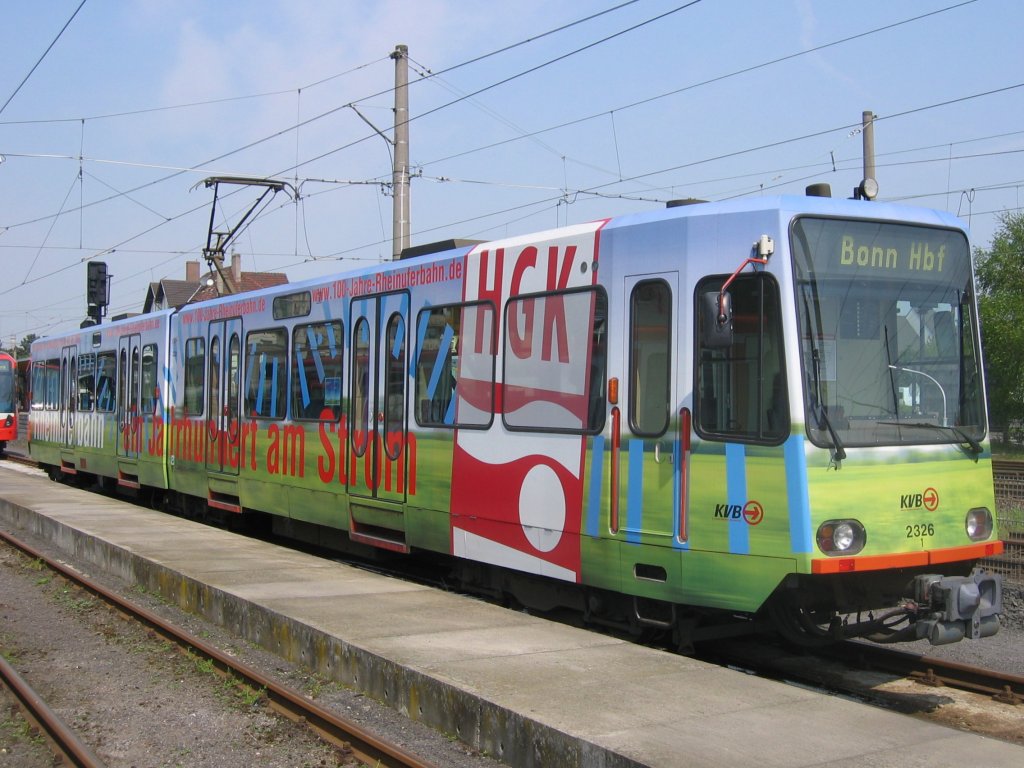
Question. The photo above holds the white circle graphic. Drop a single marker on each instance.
(542, 508)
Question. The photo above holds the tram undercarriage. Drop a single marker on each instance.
(888, 606)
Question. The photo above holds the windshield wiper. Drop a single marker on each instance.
(820, 412)
(839, 453)
(975, 446)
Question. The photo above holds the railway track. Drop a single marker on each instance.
(1008, 466)
(1001, 686)
(1009, 481)
(947, 693)
(333, 728)
(64, 741)
(780, 662)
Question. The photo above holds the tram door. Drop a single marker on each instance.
(652, 426)
(224, 364)
(378, 434)
(68, 395)
(129, 422)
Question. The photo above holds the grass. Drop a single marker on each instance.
(73, 600)
(231, 686)
(15, 729)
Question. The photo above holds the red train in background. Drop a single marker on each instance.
(8, 400)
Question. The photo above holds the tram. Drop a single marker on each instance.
(8, 400)
(771, 409)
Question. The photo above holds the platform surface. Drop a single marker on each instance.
(528, 691)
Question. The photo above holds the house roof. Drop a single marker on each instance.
(251, 281)
(169, 293)
(177, 293)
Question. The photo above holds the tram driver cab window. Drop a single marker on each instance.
(741, 389)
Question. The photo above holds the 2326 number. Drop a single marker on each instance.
(920, 530)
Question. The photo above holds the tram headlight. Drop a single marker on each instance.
(841, 537)
(978, 524)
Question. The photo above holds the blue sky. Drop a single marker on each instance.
(138, 101)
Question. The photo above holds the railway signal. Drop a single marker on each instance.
(97, 290)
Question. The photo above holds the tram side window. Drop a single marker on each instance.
(455, 366)
(195, 367)
(266, 373)
(86, 381)
(106, 367)
(52, 383)
(361, 395)
(650, 351)
(394, 385)
(555, 360)
(73, 383)
(149, 379)
(316, 371)
(133, 381)
(38, 385)
(741, 389)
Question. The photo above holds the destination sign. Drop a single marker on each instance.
(867, 249)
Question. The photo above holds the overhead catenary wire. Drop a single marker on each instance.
(493, 85)
(592, 191)
(40, 61)
(596, 189)
(299, 124)
(336, 109)
(302, 123)
(710, 81)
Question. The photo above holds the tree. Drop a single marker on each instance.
(24, 347)
(1000, 272)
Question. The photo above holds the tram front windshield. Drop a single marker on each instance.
(889, 340)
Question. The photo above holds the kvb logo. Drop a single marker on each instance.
(927, 500)
(752, 512)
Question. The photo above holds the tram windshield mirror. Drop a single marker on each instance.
(716, 320)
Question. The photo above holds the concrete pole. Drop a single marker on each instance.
(400, 175)
(868, 131)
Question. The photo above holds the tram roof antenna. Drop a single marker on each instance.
(217, 241)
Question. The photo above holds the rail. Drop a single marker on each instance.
(928, 670)
(65, 742)
(1008, 478)
(333, 728)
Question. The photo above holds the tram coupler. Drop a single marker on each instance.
(955, 607)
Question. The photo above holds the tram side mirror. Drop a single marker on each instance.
(716, 320)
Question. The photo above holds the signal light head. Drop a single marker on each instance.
(96, 283)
